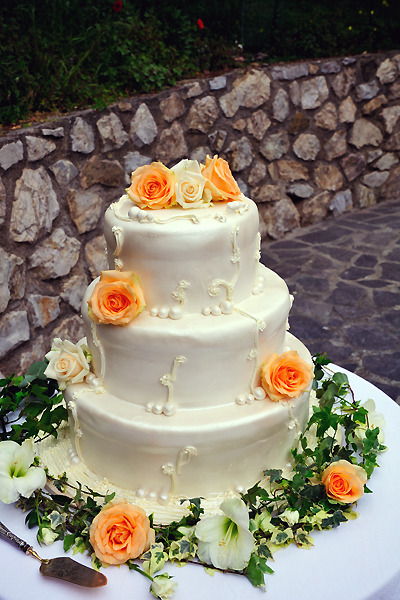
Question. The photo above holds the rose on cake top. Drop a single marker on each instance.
(186, 185)
(286, 376)
(116, 299)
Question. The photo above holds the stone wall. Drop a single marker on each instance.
(305, 140)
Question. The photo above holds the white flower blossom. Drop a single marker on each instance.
(163, 587)
(17, 477)
(189, 188)
(67, 362)
(225, 541)
(48, 536)
(375, 419)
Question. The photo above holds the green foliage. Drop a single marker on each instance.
(65, 54)
(30, 406)
(285, 510)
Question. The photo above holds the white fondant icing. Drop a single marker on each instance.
(256, 290)
(179, 250)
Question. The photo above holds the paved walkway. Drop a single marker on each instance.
(344, 274)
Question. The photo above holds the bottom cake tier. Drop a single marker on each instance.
(199, 453)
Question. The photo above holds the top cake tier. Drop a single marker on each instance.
(187, 261)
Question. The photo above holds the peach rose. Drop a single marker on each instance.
(344, 481)
(220, 179)
(120, 532)
(152, 186)
(286, 376)
(117, 298)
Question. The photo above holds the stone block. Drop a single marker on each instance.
(143, 127)
(14, 329)
(43, 309)
(82, 136)
(97, 170)
(95, 255)
(280, 105)
(12, 278)
(326, 118)
(55, 256)
(35, 205)
(64, 171)
(172, 145)
(328, 177)
(365, 133)
(172, 107)
(353, 165)
(85, 209)
(240, 153)
(10, 154)
(202, 114)
(38, 148)
(112, 132)
(290, 170)
(258, 124)
(275, 145)
(313, 92)
(307, 146)
(336, 146)
(347, 111)
(134, 160)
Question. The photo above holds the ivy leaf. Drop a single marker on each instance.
(275, 475)
(255, 570)
(334, 520)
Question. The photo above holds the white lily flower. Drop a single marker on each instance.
(17, 477)
(375, 419)
(163, 587)
(225, 541)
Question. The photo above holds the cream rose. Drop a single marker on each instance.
(152, 186)
(220, 180)
(344, 481)
(117, 298)
(190, 190)
(120, 532)
(286, 376)
(68, 362)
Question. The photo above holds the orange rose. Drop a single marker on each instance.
(286, 376)
(220, 179)
(117, 298)
(344, 481)
(153, 186)
(120, 532)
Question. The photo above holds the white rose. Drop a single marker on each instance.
(189, 188)
(163, 587)
(67, 362)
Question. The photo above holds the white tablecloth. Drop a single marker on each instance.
(360, 560)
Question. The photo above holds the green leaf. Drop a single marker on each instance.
(275, 475)
(255, 570)
(334, 520)
(37, 369)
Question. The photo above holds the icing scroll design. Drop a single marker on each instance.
(117, 231)
(183, 458)
(253, 353)
(168, 381)
(214, 287)
(100, 389)
(179, 293)
(77, 429)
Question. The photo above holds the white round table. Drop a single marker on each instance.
(358, 560)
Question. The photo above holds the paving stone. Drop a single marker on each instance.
(386, 365)
(345, 294)
(321, 235)
(394, 255)
(355, 273)
(374, 283)
(366, 260)
(306, 328)
(391, 271)
(384, 299)
(339, 254)
(314, 284)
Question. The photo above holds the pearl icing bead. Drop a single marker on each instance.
(206, 311)
(216, 311)
(175, 312)
(163, 313)
(157, 409)
(140, 493)
(169, 409)
(240, 400)
(226, 307)
(133, 212)
(153, 312)
(259, 393)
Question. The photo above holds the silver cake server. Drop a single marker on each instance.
(61, 568)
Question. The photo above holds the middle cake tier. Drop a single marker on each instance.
(196, 361)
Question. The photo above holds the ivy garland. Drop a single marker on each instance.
(286, 511)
